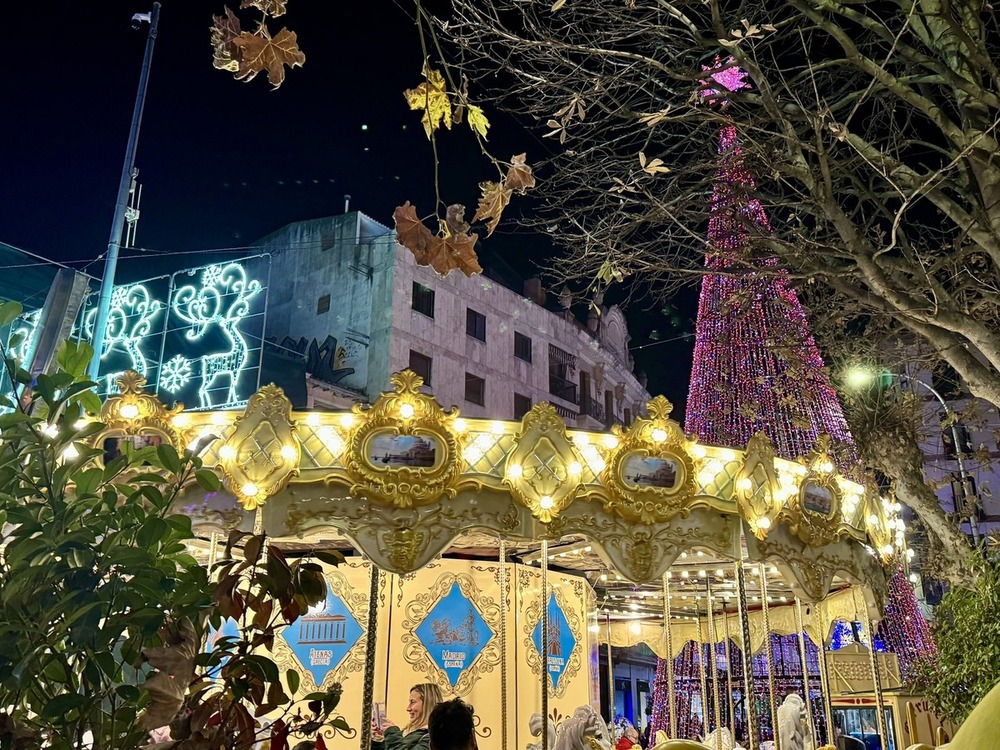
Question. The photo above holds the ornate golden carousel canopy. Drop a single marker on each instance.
(404, 481)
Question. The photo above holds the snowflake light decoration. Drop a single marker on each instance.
(176, 374)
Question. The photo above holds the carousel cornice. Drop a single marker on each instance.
(403, 478)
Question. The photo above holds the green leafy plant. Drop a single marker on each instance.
(967, 631)
(103, 609)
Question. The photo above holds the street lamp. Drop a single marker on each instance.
(859, 377)
(121, 205)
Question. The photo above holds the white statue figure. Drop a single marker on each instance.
(791, 729)
(721, 739)
(584, 730)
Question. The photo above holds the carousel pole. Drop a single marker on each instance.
(770, 656)
(729, 670)
(213, 551)
(668, 635)
(371, 644)
(753, 737)
(876, 676)
(716, 702)
(805, 668)
(702, 670)
(545, 645)
(824, 677)
(611, 673)
(503, 643)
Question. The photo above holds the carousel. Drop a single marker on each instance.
(505, 561)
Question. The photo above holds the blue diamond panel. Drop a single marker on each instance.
(454, 633)
(561, 640)
(322, 638)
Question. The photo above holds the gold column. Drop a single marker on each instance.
(545, 645)
(213, 551)
(753, 738)
(714, 663)
(825, 684)
(668, 636)
(371, 642)
(503, 643)
(876, 676)
(729, 670)
(805, 668)
(702, 670)
(770, 655)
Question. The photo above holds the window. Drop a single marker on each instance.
(323, 304)
(475, 389)
(628, 417)
(423, 299)
(522, 405)
(421, 364)
(475, 324)
(522, 346)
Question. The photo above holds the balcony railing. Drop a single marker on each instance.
(592, 407)
(562, 388)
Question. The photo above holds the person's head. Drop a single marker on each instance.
(451, 726)
(423, 698)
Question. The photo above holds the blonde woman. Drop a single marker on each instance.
(413, 736)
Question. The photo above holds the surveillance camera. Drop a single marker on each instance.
(138, 19)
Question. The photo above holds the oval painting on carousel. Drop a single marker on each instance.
(389, 451)
(659, 472)
(818, 498)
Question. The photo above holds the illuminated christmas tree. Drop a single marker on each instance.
(757, 368)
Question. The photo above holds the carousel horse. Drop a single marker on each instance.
(584, 730)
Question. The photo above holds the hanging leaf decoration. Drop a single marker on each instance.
(519, 176)
(443, 252)
(432, 97)
(478, 121)
(492, 202)
(247, 54)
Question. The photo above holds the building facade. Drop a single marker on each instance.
(344, 294)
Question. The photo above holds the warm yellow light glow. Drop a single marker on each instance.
(744, 484)
(685, 574)
(581, 439)
(347, 421)
(80, 424)
(726, 455)
(610, 442)
(575, 469)
(250, 489)
(764, 523)
(70, 453)
(497, 428)
(129, 411)
(698, 451)
(181, 420)
(289, 453)
(546, 502)
(227, 452)
(706, 476)
(219, 418)
(514, 471)
(873, 520)
(635, 628)
(406, 411)
(824, 467)
(312, 420)
(659, 435)
(472, 454)
(460, 425)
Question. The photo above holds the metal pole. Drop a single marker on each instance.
(611, 673)
(753, 738)
(503, 643)
(876, 672)
(702, 670)
(729, 670)
(824, 676)
(121, 204)
(668, 635)
(716, 703)
(805, 668)
(371, 643)
(963, 477)
(770, 656)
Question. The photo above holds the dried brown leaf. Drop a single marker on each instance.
(443, 254)
(411, 233)
(273, 8)
(174, 665)
(225, 29)
(261, 52)
(519, 177)
(492, 202)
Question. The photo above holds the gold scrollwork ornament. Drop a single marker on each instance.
(650, 475)
(543, 471)
(814, 512)
(755, 486)
(132, 411)
(399, 479)
(262, 453)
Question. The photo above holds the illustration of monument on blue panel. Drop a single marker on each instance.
(322, 639)
(454, 633)
(560, 640)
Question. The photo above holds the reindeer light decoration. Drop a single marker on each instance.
(130, 320)
(222, 299)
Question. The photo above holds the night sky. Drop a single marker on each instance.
(223, 163)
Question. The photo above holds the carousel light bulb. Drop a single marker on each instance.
(289, 453)
(129, 411)
(634, 607)
(774, 571)
(546, 502)
(635, 628)
(684, 555)
(497, 428)
(406, 410)
(604, 576)
(700, 553)
(575, 469)
(312, 419)
(659, 435)
(685, 574)
(484, 441)
(909, 554)
(581, 439)
(514, 471)
(913, 578)
(825, 467)
(744, 484)
(763, 522)
(720, 573)
(610, 442)
(227, 452)
(698, 451)
(219, 418)
(250, 489)
(873, 520)
(472, 454)
(460, 425)
(727, 455)
(70, 453)
(702, 574)
(347, 421)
